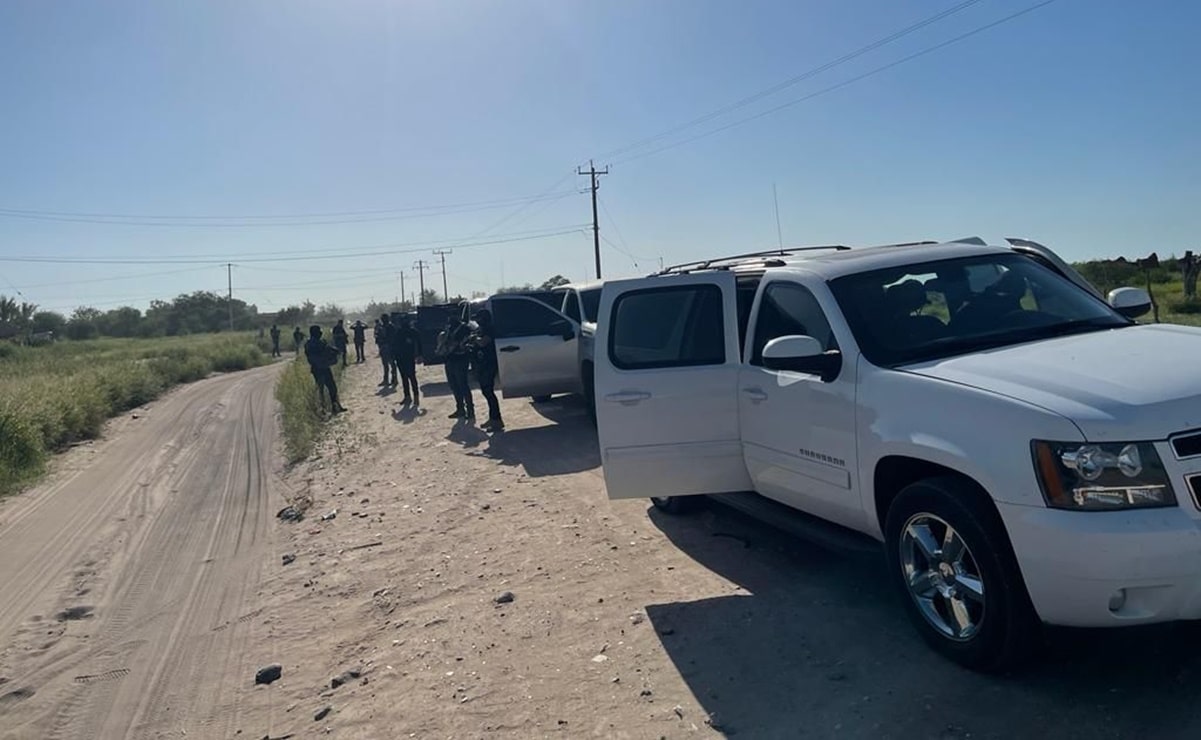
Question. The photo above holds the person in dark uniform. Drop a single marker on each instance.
(406, 351)
(457, 351)
(384, 342)
(321, 358)
(274, 341)
(340, 340)
(483, 343)
(360, 341)
(297, 339)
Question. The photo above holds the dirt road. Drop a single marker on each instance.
(141, 592)
(626, 623)
(128, 578)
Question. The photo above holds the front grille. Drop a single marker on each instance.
(1187, 446)
(1194, 486)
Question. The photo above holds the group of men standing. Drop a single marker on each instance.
(464, 347)
(400, 350)
(297, 340)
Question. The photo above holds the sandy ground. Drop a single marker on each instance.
(127, 578)
(623, 622)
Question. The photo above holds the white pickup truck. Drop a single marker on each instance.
(1026, 452)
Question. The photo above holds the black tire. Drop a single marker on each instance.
(541, 399)
(1007, 627)
(675, 504)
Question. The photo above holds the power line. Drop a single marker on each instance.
(338, 217)
(383, 251)
(613, 223)
(523, 207)
(840, 85)
(114, 278)
(806, 75)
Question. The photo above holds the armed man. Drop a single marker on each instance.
(322, 358)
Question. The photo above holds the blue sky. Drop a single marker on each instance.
(1075, 125)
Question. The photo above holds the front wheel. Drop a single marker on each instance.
(951, 560)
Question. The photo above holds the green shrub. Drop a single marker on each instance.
(302, 419)
(22, 454)
(62, 393)
(1185, 306)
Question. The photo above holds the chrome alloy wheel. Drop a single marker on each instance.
(943, 577)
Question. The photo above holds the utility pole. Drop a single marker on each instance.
(402, 289)
(421, 266)
(229, 273)
(593, 173)
(442, 253)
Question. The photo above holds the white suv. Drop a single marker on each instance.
(545, 341)
(1026, 452)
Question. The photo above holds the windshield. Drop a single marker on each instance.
(591, 300)
(938, 309)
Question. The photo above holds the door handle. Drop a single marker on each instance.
(510, 348)
(627, 398)
(757, 395)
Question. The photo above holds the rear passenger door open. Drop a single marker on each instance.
(667, 364)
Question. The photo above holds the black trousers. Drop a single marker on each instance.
(325, 383)
(487, 383)
(359, 354)
(341, 351)
(407, 367)
(275, 348)
(385, 358)
(460, 386)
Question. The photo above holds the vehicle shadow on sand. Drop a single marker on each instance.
(815, 644)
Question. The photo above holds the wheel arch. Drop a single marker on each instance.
(893, 473)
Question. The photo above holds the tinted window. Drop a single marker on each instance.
(668, 327)
(949, 307)
(591, 299)
(520, 317)
(571, 305)
(788, 309)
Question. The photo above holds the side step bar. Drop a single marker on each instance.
(824, 534)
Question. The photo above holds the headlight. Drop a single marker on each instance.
(1099, 477)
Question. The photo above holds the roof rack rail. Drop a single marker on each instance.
(911, 244)
(718, 263)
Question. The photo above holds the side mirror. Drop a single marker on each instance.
(1130, 302)
(562, 328)
(802, 354)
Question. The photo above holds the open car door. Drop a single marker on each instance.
(667, 362)
(537, 348)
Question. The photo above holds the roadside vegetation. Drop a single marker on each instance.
(55, 395)
(302, 417)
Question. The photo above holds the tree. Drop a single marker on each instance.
(120, 322)
(515, 289)
(1190, 266)
(329, 313)
(554, 282)
(82, 324)
(15, 318)
(50, 321)
(296, 315)
(430, 297)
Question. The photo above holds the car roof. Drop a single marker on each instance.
(835, 264)
(834, 261)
